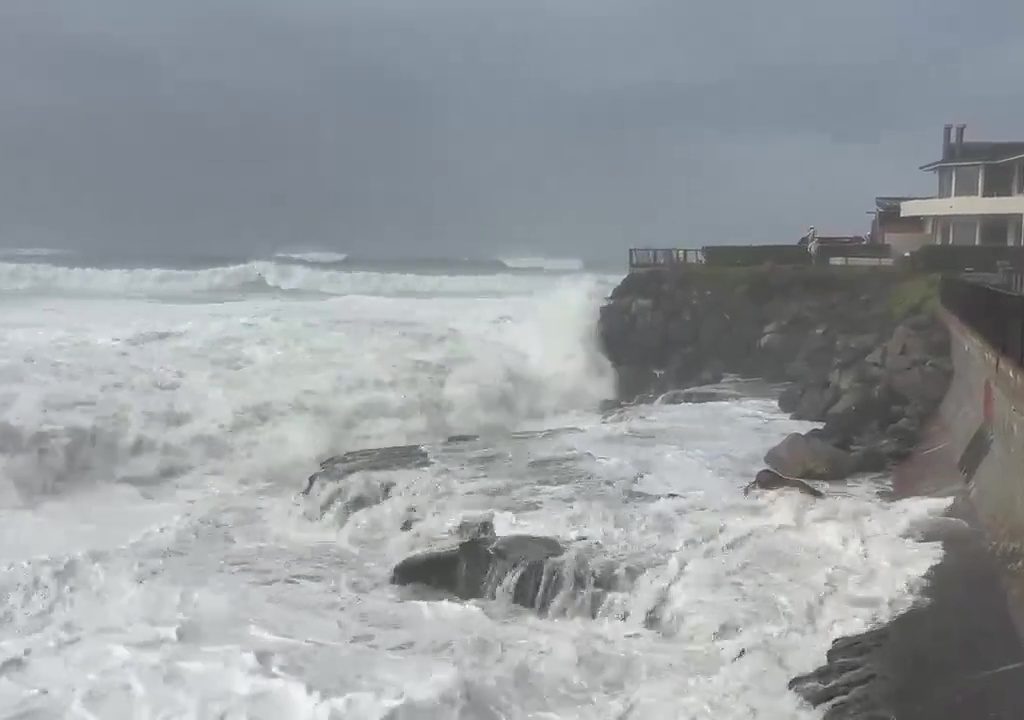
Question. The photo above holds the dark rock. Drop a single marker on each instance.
(460, 570)
(398, 457)
(771, 480)
(477, 568)
(850, 349)
(633, 381)
(698, 396)
(871, 459)
(789, 400)
(800, 456)
(334, 489)
(476, 528)
(815, 402)
(905, 430)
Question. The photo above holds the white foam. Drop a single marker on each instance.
(258, 277)
(152, 561)
(320, 256)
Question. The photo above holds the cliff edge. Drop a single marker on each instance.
(859, 350)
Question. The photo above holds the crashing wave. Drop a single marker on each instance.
(259, 277)
(545, 264)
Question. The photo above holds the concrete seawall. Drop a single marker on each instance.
(983, 413)
(958, 654)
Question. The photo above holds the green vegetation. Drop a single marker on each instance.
(917, 293)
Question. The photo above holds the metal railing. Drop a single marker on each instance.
(994, 312)
(644, 258)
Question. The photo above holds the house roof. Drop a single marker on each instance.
(888, 203)
(975, 152)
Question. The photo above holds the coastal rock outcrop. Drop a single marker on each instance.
(771, 480)
(860, 351)
(807, 457)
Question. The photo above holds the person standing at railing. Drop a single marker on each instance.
(810, 241)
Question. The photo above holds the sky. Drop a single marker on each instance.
(568, 128)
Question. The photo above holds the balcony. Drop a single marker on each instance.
(968, 205)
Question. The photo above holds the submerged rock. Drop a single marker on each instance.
(806, 456)
(771, 480)
(697, 396)
(531, 571)
(333, 488)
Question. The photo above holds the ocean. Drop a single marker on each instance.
(158, 422)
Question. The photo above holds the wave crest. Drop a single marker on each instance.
(256, 277)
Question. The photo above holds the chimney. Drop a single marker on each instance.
(947, 141)
(960, 138)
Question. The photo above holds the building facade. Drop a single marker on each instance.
(980, 198)
(903, 234)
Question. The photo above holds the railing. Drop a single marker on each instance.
(994, 313)
(645, 258)
(754, 255)
(957, 259)
(854, 254)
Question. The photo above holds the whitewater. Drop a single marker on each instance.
(158, 561)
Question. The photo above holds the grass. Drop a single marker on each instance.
(916, 294)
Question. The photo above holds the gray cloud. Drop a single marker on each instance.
(437, 126)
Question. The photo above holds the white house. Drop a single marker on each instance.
(980, 198)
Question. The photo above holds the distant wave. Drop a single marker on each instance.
(261, 277)
(545, 264)
(28, 253)
(316, 257)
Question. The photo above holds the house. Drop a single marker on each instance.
(980, 199)
(889, 227)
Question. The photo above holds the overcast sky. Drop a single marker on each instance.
(428, 127)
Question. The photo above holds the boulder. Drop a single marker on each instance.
(460, 570)
(789, 400)
(771, 480)
(478, 567)
(807, 457)
(815, 402)
(337, 488)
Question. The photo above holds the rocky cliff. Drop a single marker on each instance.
(860, 351)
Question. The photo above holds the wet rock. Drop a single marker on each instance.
(697, 396)
(789, 399)
(337, 487)
(476, 528)
(633, 381)
(771, 480)
(398, 457)
(815, 402)
(477, 568)
(460, 570)
(870, 459)
(803, 456)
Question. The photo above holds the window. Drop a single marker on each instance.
(994, 231)
(965, 232)
(998, 180)
(943, 232)
(945, 182)
(967, 178)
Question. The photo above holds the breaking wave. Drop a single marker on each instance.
(256, 277)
